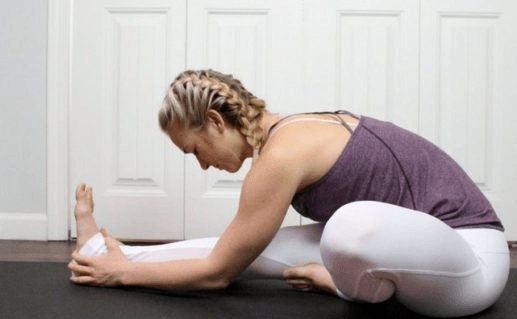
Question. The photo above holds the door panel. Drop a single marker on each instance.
(363, 56)
(124, 54)
(259, 43)
(462, 103)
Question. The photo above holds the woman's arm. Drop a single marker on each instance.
(266, 194)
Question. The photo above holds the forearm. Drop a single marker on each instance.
(177, 274)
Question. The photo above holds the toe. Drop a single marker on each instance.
(79, 190)
(297, 272)
(300, 283)
(291, 273)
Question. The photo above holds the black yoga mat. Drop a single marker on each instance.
(42, 290)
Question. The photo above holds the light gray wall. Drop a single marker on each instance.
(23, 109)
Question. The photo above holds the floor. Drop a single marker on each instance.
(59, 251)
(22, 250)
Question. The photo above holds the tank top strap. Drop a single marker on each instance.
(338, 120)
(344, 112)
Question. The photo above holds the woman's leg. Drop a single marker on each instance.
(90, 241)
(375, 250)
(291, 246)
(491, 249)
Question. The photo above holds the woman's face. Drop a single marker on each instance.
(218, 144)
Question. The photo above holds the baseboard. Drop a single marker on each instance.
(23, 226)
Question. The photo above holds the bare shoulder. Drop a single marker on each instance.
(276, 167)
(306, 150)
(286, 151)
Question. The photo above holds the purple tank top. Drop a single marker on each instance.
(385, 163)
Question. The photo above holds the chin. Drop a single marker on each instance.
(234, 168)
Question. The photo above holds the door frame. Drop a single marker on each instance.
(58, 91)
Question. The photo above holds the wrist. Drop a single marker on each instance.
(125, 274)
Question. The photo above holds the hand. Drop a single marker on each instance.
(103, 271)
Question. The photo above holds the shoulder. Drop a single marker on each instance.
(293, 153)
(291, 145)
(306, 149)
(271, 183)
(281, 160)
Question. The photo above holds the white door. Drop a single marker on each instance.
(467, 97)
(124, 55)
(437, 68)
(363, 57)
(259, 42)
(444, 69)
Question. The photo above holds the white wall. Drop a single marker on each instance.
(23, 57)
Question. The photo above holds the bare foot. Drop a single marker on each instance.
(309, 276)
(86, 224)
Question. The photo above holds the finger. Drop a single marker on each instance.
(80, 259)
(110, 242)
(105, 232)
(79, 269)
(82, 280)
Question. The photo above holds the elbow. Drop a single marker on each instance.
(217, 278)
(217, 282)
(222, 283)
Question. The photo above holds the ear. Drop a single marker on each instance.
(215, 118)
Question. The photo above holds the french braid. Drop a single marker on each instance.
(193, 93)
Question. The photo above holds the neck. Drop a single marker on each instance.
(268, 120)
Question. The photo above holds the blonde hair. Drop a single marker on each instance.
(193, 93)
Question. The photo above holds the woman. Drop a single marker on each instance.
(398, 217)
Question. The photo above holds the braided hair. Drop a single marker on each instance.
(193, 93)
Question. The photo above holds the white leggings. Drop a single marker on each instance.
(374, 251)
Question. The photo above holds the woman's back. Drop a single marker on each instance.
(382, 162)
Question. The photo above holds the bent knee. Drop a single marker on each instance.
(349, 249)
(353, 229)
